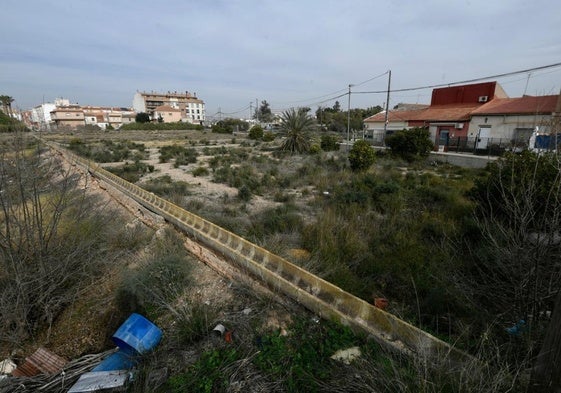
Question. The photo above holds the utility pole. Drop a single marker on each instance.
(387, 105)
(250, 109)
(219, 114)
(349, 119)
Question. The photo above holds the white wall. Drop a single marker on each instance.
(138, 103)
(503, 126)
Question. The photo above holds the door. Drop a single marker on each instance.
(443, 139)
(482, 138)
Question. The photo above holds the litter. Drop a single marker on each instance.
(347, 355)
(100, 380)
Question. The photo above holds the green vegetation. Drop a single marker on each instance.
(333, 119)
(142, 117)
(329, 142)
(108, 151)
(165, 187)
(296, 123)
(9, 124)
(461, 253)
(131, 172)
(361, 156)
(268, 136)
(54, 241)
(229, 126)
(161, 126)
(181, 155)
(256, 132)
(411, 145)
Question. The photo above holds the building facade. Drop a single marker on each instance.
(191, 108)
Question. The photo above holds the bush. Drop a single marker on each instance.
(161, 126)
(182, 155)
(361, 156)
(329, 143)
(142, 117)
(410, 144)
(200, 171)
(256, 132)
(132, 172)
(268, 136)
(228, 126)
(315, 148)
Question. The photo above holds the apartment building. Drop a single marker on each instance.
(191, 108)
(68, 117)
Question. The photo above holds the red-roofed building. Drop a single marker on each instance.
(472, 117)
(447, 116)
(512, 119)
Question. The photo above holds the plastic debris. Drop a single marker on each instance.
(517, 329)
(135, 337)
(381, 303)
(219, 329)
(7, 366)
(100, 380)
(347, 355)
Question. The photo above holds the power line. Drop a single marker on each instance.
(371, 79)
(313, 98)
(464, 81)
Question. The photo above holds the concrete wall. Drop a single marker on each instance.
(463, 160)
(504, 126)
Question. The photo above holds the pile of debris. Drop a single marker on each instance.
(112, 370)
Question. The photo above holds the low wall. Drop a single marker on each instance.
(463, 160)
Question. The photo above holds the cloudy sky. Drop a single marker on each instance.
(288, 52)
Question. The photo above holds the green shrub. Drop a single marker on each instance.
(206, 375)
(411, 145)
(182, 155)
(302, 358)
(256, 132)
(268, 136)
(165, 187)
(131, 172)
(200, 171)
(244, 193)
(161, 126)
(329, 143)
(361, 156)
(315, 149)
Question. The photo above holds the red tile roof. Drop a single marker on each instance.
(397, 115)
(452, 112)
(519, 106)
(166, 108)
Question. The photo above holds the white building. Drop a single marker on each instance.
(192, 109)
(41, 116)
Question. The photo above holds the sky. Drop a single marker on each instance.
(291, 53)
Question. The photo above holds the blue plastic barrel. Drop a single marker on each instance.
(120, 360)
(137, 334)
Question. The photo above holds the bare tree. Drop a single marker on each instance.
(519, 259)
(49, 239)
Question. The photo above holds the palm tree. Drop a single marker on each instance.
(296, 123)
(7, 104)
